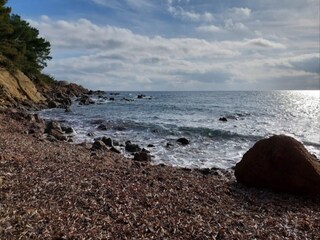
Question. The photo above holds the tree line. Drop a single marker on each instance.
(20, 43)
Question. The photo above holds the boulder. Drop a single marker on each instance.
(102, 127)
(183, 141)
(107, 141)
(280, 163)
(132, 147)
(113, 149)
(142, 156)
(53, 125)
(98, 145)
(85, 100)
(52, 104)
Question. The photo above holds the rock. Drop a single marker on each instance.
(150, 146)
(280, 163)
(53, 125)
(98, 145)
(169, 145)
(142, 157)
(90, 134)
(107, 141)
(223, 119)
(111, 99)
(85, 100)
(141, 96)
(67, 129)
(183, 141)
(68, 109)
(58, 134)
(102, 127)
(132, 147)
(113, 149)
(52, 104)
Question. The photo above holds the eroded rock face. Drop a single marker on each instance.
(280, 163)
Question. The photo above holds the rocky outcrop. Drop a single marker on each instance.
(280, 163)
(16, 88)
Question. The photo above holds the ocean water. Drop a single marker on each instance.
(167, 116)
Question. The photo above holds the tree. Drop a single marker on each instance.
(20, 43)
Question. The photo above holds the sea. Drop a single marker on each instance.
(160, 118)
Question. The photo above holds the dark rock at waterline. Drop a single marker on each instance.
(85, 100)
(90, 134)
(150, 146)
(67, 109)
(67, 129)
(183, 141)
(141, 96)
(52, 104)
(111, 99)
(113, 149)
(96, 92)
(223, 119)
(132, 147)
(52, 125)
(102, 127)
(58, 134)
(142, 156)
(107, 141)
(280, 163)
(98, 145)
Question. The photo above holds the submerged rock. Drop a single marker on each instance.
(183, 141)
(223, 119)
(280, 163)
(102, 127)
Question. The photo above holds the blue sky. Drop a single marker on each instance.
(180, 44)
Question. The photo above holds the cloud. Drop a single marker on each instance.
(179, 12)
(264, 43)
(208, 28)
(196, 45)
(239, 12)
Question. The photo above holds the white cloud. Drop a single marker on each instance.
(261, 42)
(208, 28)
(179, 12)
(268, 43)
(239, 12)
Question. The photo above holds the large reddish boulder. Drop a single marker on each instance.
(280, 163)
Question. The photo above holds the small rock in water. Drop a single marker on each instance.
(150, 146)
(223, 119)
(102, 127)
(183, 141)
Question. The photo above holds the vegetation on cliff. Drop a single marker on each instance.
(20, 44)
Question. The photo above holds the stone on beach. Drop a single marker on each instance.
(280, 163)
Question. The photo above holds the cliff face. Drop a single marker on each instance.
(17, 87)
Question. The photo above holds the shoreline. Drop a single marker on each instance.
(60, 190)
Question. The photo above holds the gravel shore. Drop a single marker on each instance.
(59, 190)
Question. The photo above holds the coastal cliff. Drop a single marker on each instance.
(16, 87)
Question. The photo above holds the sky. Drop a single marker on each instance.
(172, 45)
